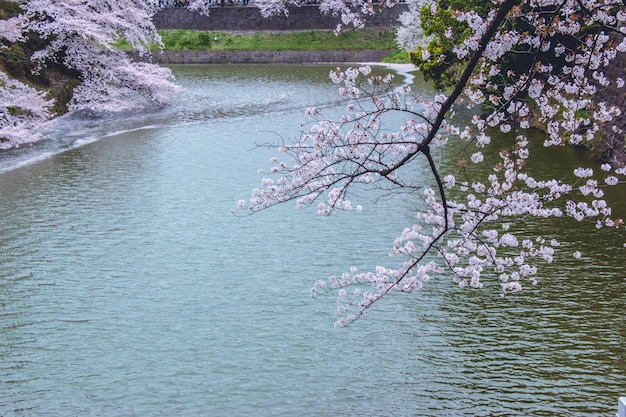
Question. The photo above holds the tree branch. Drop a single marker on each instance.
(460, 85)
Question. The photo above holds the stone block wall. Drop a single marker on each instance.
(238, 18)
(249, 19)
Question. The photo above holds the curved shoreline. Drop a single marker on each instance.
(404, 70)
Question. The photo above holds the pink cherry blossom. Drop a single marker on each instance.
(81, 36)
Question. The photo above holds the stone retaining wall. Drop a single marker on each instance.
(238, 18)
(244, 19)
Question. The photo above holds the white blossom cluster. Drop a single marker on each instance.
(410, 34)
(469, 226)
(353, 13)
(81, 36)
(22, 110)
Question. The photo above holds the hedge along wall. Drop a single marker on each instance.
(238, 18)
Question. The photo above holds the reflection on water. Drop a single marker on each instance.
(127, 289)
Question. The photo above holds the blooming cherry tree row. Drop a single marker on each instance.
(80, 36)
(467, 224)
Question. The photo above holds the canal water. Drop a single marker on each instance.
(127, 288)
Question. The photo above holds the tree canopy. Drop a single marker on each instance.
(70, 44)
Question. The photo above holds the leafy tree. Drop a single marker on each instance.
(443, 32)
(505, 58)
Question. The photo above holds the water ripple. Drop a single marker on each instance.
(127, 289)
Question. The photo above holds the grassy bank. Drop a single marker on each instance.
(315, 39)
(177, 40)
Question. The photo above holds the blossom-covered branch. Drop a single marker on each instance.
(22, 110)
(354, 13)
(468, 224)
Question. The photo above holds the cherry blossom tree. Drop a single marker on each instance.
(353, 13)
(81, 36)
(514, 60)
(22, 110)
(410, 34)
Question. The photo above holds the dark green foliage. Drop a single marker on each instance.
(442, 67)
(205, 39)
(15, 61)
(186, 39)
(8, 9)
(63, 95)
